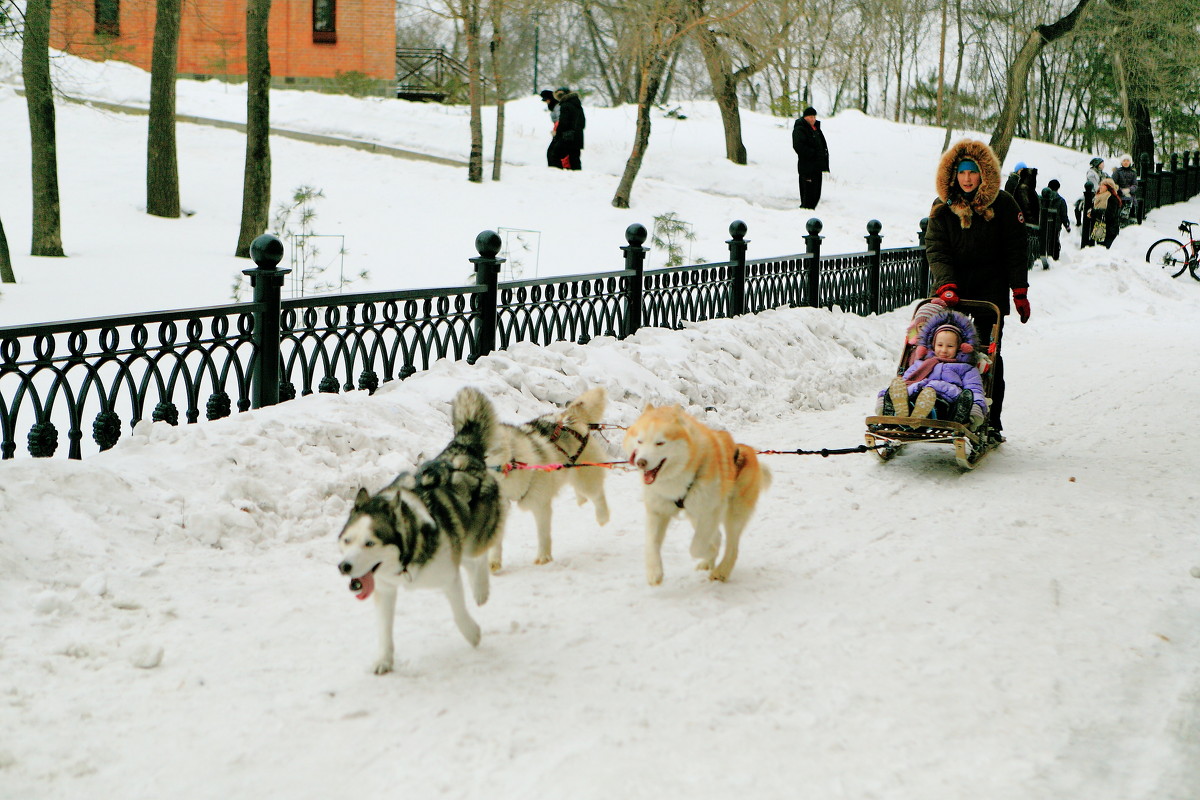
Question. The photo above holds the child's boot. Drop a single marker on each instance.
(898, 395)
(960, 410)
(924, 402)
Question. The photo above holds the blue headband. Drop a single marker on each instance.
(967, 164)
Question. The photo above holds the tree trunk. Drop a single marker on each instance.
(724, 87)
(256, 183)
(39, 100)
(474, 90)
(958, 68)
(162, 166)
(941, 76)
(498, 79)
(1018, 76)
(647, 92)
(6, 270)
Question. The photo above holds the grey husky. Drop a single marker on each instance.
(422, 527)
(564, 437)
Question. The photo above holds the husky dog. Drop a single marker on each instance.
(417, 531)
(561, 438)
(687, 466)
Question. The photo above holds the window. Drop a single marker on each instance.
(325, 21)
(108, 18)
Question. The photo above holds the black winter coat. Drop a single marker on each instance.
(571, 121)
(976, 241)
(812, 154)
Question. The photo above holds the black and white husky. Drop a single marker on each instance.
(417, 531)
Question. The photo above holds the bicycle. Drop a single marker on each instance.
(1175, 256)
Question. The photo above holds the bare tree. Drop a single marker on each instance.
(663, 24)
(739, 31)
(498, 78)
(162, 166)
(6, 270)
(39, 100)
(1018, 76)
(256, 182)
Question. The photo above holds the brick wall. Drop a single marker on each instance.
(212, 39)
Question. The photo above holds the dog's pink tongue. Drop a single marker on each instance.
(649, 475)
(365, 585)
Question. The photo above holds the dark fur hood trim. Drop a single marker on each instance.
(946, 181)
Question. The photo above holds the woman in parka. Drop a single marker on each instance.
(976, 244)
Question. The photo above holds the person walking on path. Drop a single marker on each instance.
(568, 136)
(812, 156)
(552, 159)
(1060, 204)
(976, 245)
(1106, 213)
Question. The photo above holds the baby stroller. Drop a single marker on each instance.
(889, 434)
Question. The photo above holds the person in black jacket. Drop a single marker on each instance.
(552, 159)
(976, 245)
(812, 156)
(568, 136)
(1060, 204)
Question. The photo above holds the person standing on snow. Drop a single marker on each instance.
(812, 156)
(569, 133)
(976, 245)
(552, 159)
(1060, 204)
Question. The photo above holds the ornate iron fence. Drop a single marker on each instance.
(178, 365)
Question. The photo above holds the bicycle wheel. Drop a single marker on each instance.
(1170, 254)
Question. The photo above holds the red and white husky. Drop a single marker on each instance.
(687, 466)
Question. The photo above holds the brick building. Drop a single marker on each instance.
(315, 44)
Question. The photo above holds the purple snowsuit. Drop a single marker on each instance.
(948, 378)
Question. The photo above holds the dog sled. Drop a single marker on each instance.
(887, 435)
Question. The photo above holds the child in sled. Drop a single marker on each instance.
(942, 381)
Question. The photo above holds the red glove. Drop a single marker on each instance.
(1021, 301)
(949, 293)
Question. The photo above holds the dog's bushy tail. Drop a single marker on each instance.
(473, 419)
(589, 406)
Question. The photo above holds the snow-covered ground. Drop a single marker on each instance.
(172, 623)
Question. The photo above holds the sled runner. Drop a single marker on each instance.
(971, 444)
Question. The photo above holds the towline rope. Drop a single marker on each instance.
(510, 466)
(824, 452)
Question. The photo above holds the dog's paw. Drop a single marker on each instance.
(494, 566)
(546, 559)
(721, 575)
(704, 564)
(654, 577)
(472, 634)
(383, 666)
(601, 515)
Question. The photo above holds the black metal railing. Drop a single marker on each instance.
(172, 366)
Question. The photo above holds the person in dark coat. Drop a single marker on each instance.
(1106, 210)
(1022, 185)
(812, 156)
(1060, 204)
(552, 159)
(569, 133)
(976, 245)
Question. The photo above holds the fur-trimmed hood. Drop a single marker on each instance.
(967, 332)
(946, 181)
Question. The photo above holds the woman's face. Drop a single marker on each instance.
(968, 180)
